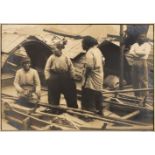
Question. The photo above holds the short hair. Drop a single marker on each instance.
(25, 60)
(89, 41)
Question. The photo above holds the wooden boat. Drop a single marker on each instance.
(47, 117)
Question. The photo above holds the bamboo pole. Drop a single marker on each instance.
(121, 58)
(130, 115)
(129, 128)
(79, 112)
(127, 91)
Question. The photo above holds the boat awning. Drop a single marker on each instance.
(10, 41)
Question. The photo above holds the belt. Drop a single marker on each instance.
(59, 72)
(28, 87)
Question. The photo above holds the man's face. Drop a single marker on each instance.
(57, 52)
(26, 66)
(141, 38)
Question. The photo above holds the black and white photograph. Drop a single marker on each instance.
(77, 77)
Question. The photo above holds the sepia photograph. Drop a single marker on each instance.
(77, 77)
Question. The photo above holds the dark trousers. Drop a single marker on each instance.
(62, 83)
(92, 100)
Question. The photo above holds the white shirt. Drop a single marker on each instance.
(140, 51)
(58, 64)
(94, 61)
(24, 78)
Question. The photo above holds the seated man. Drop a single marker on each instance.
(27, 83)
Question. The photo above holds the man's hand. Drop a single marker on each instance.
(38, 93)
(26, 92)
(21, 91)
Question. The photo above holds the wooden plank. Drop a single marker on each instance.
(130, 115)
(40, 129)
(91, 115)
(12, 119)
(41, 121)
(20, 107)
(81, 124)
(51, 106)
(110, 119)
(111, 114)
(12, 64)
(129, 128)
(133, 100)
(26, 123)
(129, 106)
(126, 91)
(127, 96)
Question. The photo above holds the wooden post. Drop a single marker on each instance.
(121, 58)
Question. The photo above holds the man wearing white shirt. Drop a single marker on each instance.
(139, 53)
(27, 83)
(92, 98)
(59, 73)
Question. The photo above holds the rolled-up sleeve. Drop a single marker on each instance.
(89, 61)
(17, 82)
(47, 68)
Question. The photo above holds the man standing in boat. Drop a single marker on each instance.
(139, 53)
(132, 31)
(92, 98)
(59, 73)
(27, 83)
